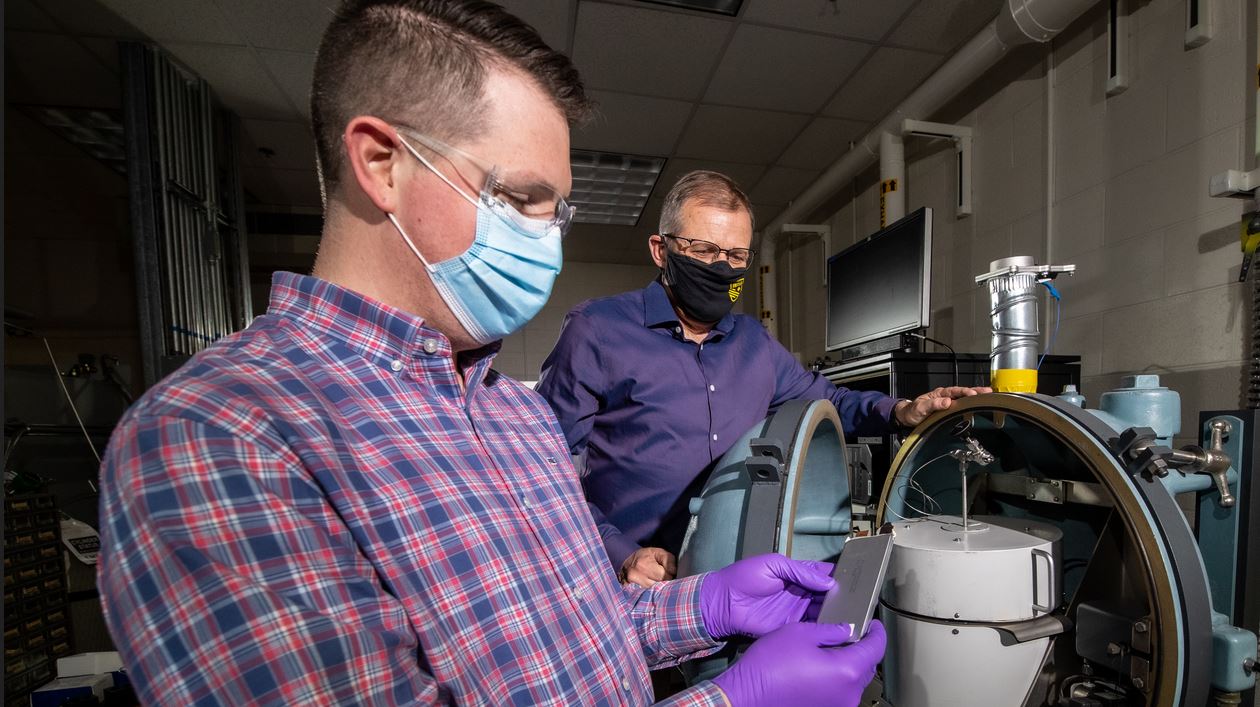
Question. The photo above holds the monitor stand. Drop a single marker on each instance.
(896, 342)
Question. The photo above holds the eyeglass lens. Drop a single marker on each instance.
(708, 252)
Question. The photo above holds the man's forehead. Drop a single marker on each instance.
(528, 135)
(734, 226)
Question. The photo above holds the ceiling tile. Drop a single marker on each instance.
(237, 78)
(290, 143)
(89, 18)
(24, 16)
(652, 52)
(739, 134)
(281, 187)
(823, 142)
(177, 20)
(942, 26)
(260, 186)
(781, 185)
(293, 71)
(633, 124)
(861, 19)
(293, 25)
(882, 83)
(766, 213)
(105, 50)
(806, 69)
(54, 69)
(745, 175)
(649, 221)
(551, 19)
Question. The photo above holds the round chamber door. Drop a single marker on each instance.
(783, 487)
(1132, 601)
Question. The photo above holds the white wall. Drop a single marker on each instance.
(523, 352)
(1125, 180)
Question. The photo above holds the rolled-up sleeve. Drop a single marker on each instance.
(667, 619)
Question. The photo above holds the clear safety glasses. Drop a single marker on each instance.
(524, 204)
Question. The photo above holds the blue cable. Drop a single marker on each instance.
(1058, 316)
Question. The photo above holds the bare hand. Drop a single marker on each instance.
(909, 413)
(647, 566)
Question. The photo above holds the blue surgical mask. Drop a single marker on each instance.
(503, 280)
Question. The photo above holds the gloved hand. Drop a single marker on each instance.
(756, 595)
(798, 665)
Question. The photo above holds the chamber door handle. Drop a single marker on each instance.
(1051, 603)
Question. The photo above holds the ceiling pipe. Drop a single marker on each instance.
(1019, 22)
(892, 179)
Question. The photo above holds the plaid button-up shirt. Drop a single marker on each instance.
(315, 511)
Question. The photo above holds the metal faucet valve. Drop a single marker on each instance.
(966, 456)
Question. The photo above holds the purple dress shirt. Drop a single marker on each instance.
(651, 411)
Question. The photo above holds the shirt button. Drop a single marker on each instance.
(714, 438)
(525, 501)
(677, 330)
(396, 365)
(430, 345)
(625, 684)
(712, 388)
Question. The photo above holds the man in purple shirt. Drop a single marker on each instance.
(345, 504)
(653, 386)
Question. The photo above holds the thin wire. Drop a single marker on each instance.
(933, 507)
(13, 443)
(57, 374)
(1058, 317)
(915, 486)
(952, 354)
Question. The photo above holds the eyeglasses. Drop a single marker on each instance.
(707, 252)
(535, 201)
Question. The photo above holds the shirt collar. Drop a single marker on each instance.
(658, 311)
(371, 329)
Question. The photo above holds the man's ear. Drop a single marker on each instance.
(374, 157)
(658, 247)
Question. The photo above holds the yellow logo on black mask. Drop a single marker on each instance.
(736, 289)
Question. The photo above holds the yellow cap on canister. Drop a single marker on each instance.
(1015, 380)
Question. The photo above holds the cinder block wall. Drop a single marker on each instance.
(523, 352)
(1116, 185)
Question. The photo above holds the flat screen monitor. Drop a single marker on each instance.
(881, 285)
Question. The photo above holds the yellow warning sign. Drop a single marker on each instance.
(886, 187)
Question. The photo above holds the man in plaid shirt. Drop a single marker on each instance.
(345, 503)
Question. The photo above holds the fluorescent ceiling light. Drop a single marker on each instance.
(721, 7)
(612, 188)
(98, 132)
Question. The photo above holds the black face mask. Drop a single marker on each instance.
(704, 291)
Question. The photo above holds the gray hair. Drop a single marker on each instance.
(704, 188)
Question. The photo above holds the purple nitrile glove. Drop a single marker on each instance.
(800, 665)
(756, 595)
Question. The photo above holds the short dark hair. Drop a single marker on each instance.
(705, 188)
(424, 62)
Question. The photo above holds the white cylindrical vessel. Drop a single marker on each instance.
(949, 594)
(1002, 569)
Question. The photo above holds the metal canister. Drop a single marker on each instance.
(950, 596)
